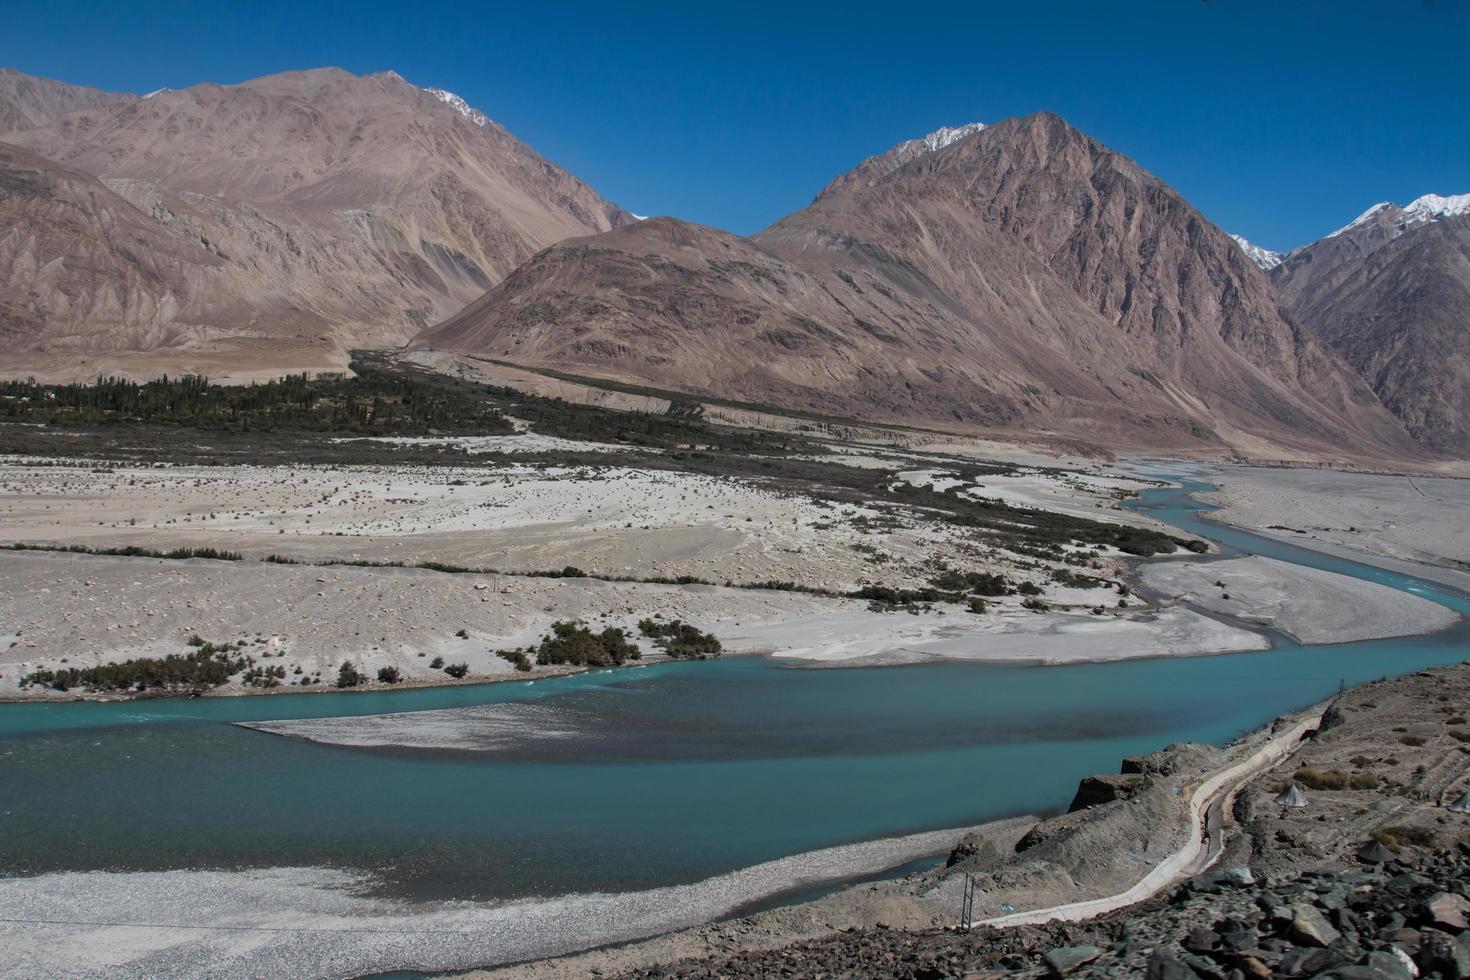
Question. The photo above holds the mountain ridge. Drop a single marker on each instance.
(347, 211)
(997, 282)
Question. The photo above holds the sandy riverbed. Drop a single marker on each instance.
(1409, 523)
(78, 610)
(604, 518)
(1312, 605)
(317, 922)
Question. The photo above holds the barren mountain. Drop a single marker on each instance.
(27, 102)
(333, 211)
(1392, 295)
(1023, 278)
(84, 260)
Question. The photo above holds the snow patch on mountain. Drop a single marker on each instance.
(1421, 210)
(157, 91)
(1432, 207)
(945, 135)
(1263, 257)
(1362, 218)
(460, 106)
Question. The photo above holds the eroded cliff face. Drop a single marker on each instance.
(1392, 296)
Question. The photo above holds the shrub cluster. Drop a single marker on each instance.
(516, 657)
(573, 643)
(680, 640)
(973, 583)
(203, 667)
(132, 551)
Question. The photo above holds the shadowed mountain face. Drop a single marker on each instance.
(88, 260)
(327, 211)
(1394, 300)
(1022, 278)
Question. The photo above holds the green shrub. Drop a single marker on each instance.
(516, 657)
(975, 583)
(572, 643)
(347, 675)
(680, 640)
(389, 675)
(205, 666)
(457, 671)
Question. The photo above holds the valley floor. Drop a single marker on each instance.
(492, 535)
(304, 593)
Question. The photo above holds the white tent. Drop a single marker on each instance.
(1291, 796)
(1462, 805)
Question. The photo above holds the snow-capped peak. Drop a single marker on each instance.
(945, 135)
(1263, 257)
(459, 105)
(1432, 207)
(157, 91)
(1360, 219)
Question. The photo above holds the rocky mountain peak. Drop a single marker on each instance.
(1263, 257)
(876, 167)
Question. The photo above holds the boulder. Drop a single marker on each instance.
(1064, 959)
(1440, 952)
(1448, 911)
(1094, 790)
(1311, 928)
(1162, 966)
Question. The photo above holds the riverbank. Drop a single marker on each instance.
(1410, 524)
(320, 922)
(81, 610)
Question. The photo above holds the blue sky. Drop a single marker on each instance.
(1280, 120)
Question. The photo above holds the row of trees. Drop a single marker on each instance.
(372, 401)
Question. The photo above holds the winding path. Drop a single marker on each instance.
(1202, 847)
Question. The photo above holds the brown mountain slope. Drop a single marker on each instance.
(27, 102)
(83, 259)
(344, 210)
(1397, 307)
(1023, 278)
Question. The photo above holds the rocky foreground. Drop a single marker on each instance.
(1390, 921)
